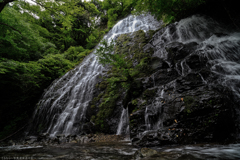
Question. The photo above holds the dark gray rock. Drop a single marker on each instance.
(185, 108)
(157, 63)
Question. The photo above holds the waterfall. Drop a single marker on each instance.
(218, 44)
(123, 125)
(153, 113)
(63, 107)
(214, 42)
(152, 76)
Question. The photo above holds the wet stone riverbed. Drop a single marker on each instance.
(121, 150)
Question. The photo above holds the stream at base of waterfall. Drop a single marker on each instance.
(121, 150)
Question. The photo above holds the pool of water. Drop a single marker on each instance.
(93, 151)
(120, 150)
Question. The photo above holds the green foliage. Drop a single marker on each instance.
(135, 109)
(107, 106)
(120, 67)
(61, 10)
(112, 17)
(189, 102)
(23, 83)
(76, 54)
(103, 85)
(116, 9)
(35, 51)
(54, 66)
(122, 75)
(106, 57)
(93, 118)
(94, 38)
(149, 93)
(19, 39)
(22, 73)
(142, 68)
(168, 10)
(134, 102)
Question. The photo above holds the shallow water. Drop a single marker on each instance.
(205, 152)
(121, 150)
(93, 151)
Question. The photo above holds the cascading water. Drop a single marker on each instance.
(216, 43)
(123, 126)
(64, 104)
(63, 107)
(153, 113)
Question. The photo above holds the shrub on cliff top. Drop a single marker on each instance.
(168, 10)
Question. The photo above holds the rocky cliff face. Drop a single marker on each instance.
(181, 109)
(186, 78)
(181, 95)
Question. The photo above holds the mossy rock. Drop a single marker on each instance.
(149, 93)
(103, 85)
(131, 46)
(189, 101)
(93, 118)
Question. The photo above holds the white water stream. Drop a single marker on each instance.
(64, 105)
(123, 126)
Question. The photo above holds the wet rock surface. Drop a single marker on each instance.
(44, 139)
(144, 152)
(180, 97)
(183, 102)
(182, 109)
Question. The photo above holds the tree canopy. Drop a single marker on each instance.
(168, 10)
